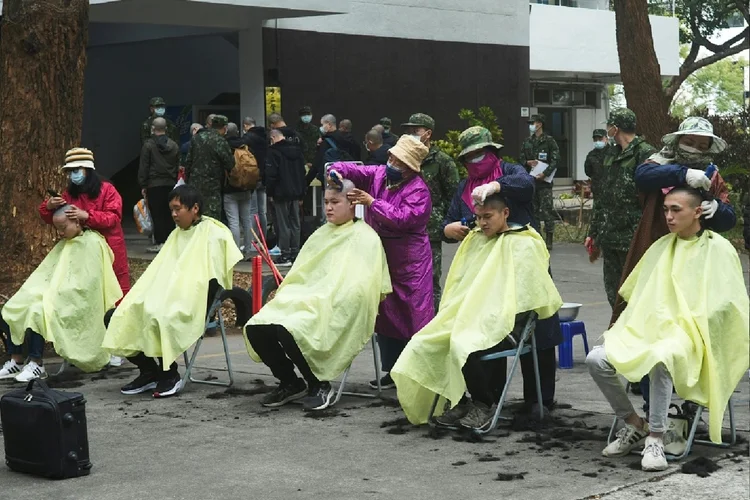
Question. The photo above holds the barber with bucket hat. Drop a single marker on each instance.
(399, 209)
(95, 204)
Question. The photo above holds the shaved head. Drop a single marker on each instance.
(693, 196)
(375, 137)
(159, 124)
(232, 130)
(348, 187)
(345, 125)
(379, 128)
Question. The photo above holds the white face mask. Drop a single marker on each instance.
(532, 128)
(477, 159)
(159, 111)
(599, 144)
(690, 149)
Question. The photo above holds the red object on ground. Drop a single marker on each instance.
(257, 284)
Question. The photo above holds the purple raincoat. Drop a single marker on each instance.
(399, 216)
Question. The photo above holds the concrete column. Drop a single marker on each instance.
(252, 91)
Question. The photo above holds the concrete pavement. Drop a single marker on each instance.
(207, 443)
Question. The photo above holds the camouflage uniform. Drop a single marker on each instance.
(617, 210)
(309, 133)
(542, 148)
(208, 161)
(441, 175)
(595, 163)
(172, 130)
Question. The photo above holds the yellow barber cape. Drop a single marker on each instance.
(165, 312)
(687, 308)
(65, 299)
(490, 281)
(329, 299)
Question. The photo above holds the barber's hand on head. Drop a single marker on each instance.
(359, 197)
(55, 202)
(456, 231)
(481, 193)
(75, 213)
(709, 208)
(697, 179)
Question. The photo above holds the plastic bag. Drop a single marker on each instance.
(142, 216)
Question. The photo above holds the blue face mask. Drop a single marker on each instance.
(599, 144)
(306, 118)
(393, 174)
(77, 177)
(160, 111)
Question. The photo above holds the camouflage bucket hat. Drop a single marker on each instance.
(157, 101)
(420, 120)
(623, 118)
(475, 138)
(695, 125)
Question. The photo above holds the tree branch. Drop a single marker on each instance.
(726, 45)
(688, 69)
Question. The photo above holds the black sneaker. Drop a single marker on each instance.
(285, 393)
(284, 262)
(385, 383)
(169, 385)
(319, 398)
(144, 382)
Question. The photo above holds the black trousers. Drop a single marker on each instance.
(278, 350)
(158, 205)
(390, 350)
(485, 380)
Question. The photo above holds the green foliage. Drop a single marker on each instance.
(483, 117)
(718, 87)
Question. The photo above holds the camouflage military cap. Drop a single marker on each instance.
(420, 120)
(305, 110)
(474, 138)
(696, 125)
(622, 118)
(385, 121)
(600, 132)
(537, 118)
(219, 121)
(157, 101)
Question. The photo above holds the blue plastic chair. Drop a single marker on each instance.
(526, 344)
(565, 350)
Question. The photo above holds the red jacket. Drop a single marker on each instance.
(105, 216)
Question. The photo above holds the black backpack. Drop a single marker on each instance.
(333, 153)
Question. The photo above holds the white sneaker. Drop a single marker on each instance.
(30, 372)
(155, 248)
(10, 369)
(675, 438)
(275, 250)
(116, 361)
(653, 455)
(628, 438)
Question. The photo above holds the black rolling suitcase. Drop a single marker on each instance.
(45, 431)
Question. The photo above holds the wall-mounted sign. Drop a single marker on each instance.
(524, 112)
(273, 100)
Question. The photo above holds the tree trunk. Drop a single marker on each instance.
(639, 68)
(43, 57)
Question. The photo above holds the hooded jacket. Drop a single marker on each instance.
(160, 158)
(285, 171)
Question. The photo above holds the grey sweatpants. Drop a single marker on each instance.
(287, 219)
(606, 378)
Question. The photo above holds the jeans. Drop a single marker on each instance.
(606, 378)
(288, 227)
(390, 350)
(158, 204)
(33, 340)
(278, 350)
(258, 204)
(238, 207)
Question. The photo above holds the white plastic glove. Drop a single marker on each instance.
(709, 208)
(697, 179)
(480, 193)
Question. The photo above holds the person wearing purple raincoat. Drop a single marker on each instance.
(399, 208)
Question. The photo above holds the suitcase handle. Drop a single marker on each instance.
(45, 388)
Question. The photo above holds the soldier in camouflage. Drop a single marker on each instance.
(617, 208)
(308, 133)
(441, 175)
(595, 160)
(157, 107)
(208, 161)
(541, 147)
